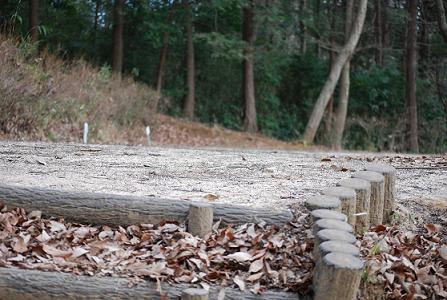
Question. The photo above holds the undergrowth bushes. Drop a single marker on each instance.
(42, 96)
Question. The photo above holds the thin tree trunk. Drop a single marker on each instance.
(162, 62)
(424, 48)
(333, 55)
(34, 20)
(118, 20)
(342, 108)
(188, 109)
(331, 82)
(316, 24)
(95, 26)
(378, 27)
(385, 30)
(303, 43)
(442, 23)
(161, 65)
(250, 122)
(341, 112)
(410, 84)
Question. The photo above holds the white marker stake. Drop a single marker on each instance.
(85, 132)
(148, 134)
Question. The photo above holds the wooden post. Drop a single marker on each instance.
(338, 246)
(362, 190)
(195, 294)
(334, 246)
(338, 277)
(347, 198)
(332, 235)
(323, 202)
(327, 214)
(389, 173)
(377, 192)
(332, 224)
(200, 219)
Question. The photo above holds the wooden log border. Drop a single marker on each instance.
(337, 259)
(338, 267)
(110, 209)
(389, 196)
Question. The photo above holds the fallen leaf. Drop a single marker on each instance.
(256, 266)
(79, 251)
(56, 252)
(432, 228)
(239, 282)
(255, 277)
(211, 197)
(57, 226)
(20, 245)
(240, 256)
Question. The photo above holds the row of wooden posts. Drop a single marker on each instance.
(355, 204)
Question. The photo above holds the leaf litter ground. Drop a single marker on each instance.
(250, 257)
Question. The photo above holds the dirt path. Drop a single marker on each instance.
(258, 178)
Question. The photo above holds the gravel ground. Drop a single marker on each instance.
(257, 178)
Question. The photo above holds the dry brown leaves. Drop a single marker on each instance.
(251, 257)
(422, 161)
(411, 266)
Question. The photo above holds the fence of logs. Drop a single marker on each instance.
(366, 199)
(338, 214)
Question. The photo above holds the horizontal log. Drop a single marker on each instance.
(19, 284)
(109, 209)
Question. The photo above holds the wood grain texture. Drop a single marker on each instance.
(338, 277)
(109, 209)
(362, 189)
(377, 195)
(18, 284)
(389, 173)
(347, 198)
(200, 219)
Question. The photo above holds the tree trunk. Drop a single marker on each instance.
(442, 23)
(162, 62)
(378, 27)
(424, 48)
(410, 83)
(385, 30)
(333, 55)
(317, 24)
(329, 86)
(95, 26)
(250, 121)
(303, 43)
(118, 20)
(188, 108)
(342, 108)
(34, 20)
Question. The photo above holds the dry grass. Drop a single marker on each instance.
(43, 97)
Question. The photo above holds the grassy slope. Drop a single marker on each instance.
(43, 97)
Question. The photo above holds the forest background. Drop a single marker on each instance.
(253, 65)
